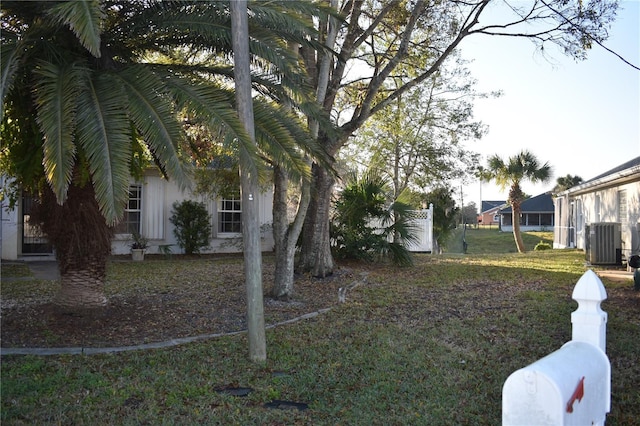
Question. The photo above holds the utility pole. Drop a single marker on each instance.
(464, 225)
(248, 185)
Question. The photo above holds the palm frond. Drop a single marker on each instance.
(276, 138)
(152, 113)
(298, 131)
(404, 225)
(293, 20)
(84, 17)
(56, 93)
(204, 26)
(10, 51)
(105, 136)
(215, 106)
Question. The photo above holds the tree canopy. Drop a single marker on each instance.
(565, 182)
(94, 84)
(398, 45)
(418, 140)
(93, 91)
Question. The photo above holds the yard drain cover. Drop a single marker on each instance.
(287, 405)
(234, 391)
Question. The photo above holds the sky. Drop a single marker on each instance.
(583, 117)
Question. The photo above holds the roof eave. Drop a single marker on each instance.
(629, 175)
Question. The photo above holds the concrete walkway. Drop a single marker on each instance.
(616, 274)
(41, 270)
(44, 269)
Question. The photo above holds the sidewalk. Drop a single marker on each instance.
(615, 275)
(41, 270)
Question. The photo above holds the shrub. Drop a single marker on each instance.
(192, 225)
(367, 227)
(542, 246)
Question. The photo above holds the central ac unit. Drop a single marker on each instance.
(603, 243)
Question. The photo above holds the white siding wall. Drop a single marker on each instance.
(602, 206)
(153, 208)
(11, 231)
(158, 198)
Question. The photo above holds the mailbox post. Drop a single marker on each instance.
(571, 386)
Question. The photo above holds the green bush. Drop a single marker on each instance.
(542, 246)
(192, 225)
(366, 226)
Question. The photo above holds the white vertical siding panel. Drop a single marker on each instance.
(153, 208)
(212, 208)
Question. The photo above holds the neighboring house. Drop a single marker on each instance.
(613, 196)
(489, 212)
(536, 214)
(148, 211)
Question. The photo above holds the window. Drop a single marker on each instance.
(623, 213)
(130, 222)
(546, 219)
(230, 215)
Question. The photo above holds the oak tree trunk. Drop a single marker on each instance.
(285, 234)
(316, 257)
(283, 276)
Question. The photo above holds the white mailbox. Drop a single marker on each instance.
(571, 386)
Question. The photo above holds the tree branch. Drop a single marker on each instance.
(578, 28)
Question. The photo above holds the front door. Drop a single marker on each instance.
(33, 239)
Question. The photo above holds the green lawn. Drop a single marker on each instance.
(492, 241)
(426, 345)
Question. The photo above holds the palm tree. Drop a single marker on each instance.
(565, 182)
(369, 225)
(521, 167)
(93, 91)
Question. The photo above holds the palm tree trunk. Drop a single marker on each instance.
(82, 240)
(82, 284)
(515, 219)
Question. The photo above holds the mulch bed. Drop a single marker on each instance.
(146, 318)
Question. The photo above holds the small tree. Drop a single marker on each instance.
(470, 214)
(444, 213)
(192, 225)
(511, 173)
(565, 182)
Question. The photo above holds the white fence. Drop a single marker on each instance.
(423, 228)
(571, 386)
(424, 223)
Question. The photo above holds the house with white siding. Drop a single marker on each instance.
(147, 212)
(611, 197)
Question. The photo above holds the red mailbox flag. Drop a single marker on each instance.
(577, 394)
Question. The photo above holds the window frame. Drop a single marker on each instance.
(623, 206)
(231, 207)
(123, 228)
